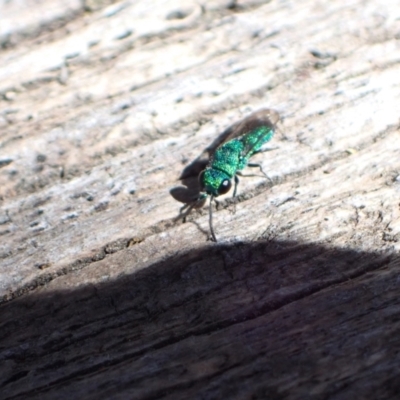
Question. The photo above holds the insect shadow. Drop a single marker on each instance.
(250, 133)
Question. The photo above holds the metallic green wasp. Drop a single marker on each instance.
(233, 155)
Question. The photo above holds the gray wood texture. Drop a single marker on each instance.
(106, 294)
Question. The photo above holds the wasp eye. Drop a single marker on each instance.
(225, 186)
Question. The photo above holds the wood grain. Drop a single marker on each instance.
(106, 293)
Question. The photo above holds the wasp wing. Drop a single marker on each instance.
(247, 129)
(264, 117)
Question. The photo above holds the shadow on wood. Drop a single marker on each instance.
(250, 320)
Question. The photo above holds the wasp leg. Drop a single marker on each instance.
(235, 190)
(236, 184)
(184, 211)
(252, 165)
(265, 149)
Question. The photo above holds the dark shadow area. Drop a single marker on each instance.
(263, 320)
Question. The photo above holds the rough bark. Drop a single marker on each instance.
(106, 293)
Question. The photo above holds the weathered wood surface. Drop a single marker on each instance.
(105, 294)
